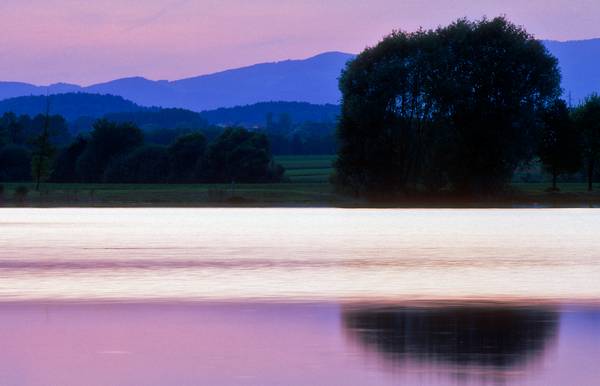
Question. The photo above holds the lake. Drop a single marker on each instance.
(299, 296)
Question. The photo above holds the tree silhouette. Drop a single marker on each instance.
(559, 150)
(587, 119)
(455, 107)
(43, 150)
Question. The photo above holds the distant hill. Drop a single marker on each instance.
(256, 114)
(157, 118)
(71, 105)
(313, 80)
(17, 89)
(82, 109)
(580, 65)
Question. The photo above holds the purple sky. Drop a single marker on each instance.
(81, 41)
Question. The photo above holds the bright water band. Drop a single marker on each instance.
(299, 254)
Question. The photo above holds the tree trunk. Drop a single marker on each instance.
(37, 177)
(590, 174)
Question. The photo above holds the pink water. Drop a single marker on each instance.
(299, 297)
(297, 344)
(299, 254)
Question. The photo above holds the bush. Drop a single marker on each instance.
(146, 164)
(184, 155)
(21, 193)
(15, 164)
(65, 165)
(108, 140)
(239, 155)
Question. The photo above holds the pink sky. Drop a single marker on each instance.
(45, 41)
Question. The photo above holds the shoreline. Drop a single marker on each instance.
(416, 204)
(282, 195)
(375, 303)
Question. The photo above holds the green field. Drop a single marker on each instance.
(315, 169)
(307, 184)
(171, 194)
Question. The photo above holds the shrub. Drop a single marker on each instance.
(21, 193)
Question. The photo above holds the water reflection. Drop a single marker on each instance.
(472, 340)
(249, 344)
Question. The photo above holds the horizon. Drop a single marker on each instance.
(64, 41)
(189, 77)
(218, 71)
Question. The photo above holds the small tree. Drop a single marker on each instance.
(559, 148)
(239, 155)
(43, 150)
(64, 169)
(11, 129)
(144, 165)
(184, 155)
(107, 141)
(587, 120)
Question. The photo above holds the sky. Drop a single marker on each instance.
(85, 42)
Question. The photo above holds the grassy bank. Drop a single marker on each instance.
(171, 195)
(308, 185)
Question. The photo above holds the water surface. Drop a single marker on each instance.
(296, 344)
(299, 254)
(299, 297)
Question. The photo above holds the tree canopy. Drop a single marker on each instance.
(452, 108)
(239, 155)
(185, 155)
(145, 164)
(107, 140)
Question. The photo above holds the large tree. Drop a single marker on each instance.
(387, 109)
(451, 107)
(587, 120)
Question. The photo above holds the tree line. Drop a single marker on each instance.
(458, 109)
(299, 138)
(286, 135)
(292, 127)
(116, 152)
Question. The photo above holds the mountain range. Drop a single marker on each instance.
(70, 105)
(82, 109)
(313, 80)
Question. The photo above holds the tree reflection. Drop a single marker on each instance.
(470, 336)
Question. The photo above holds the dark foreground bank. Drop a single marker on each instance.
(294, 194)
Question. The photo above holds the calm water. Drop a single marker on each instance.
(299, 254)
(299, 297)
